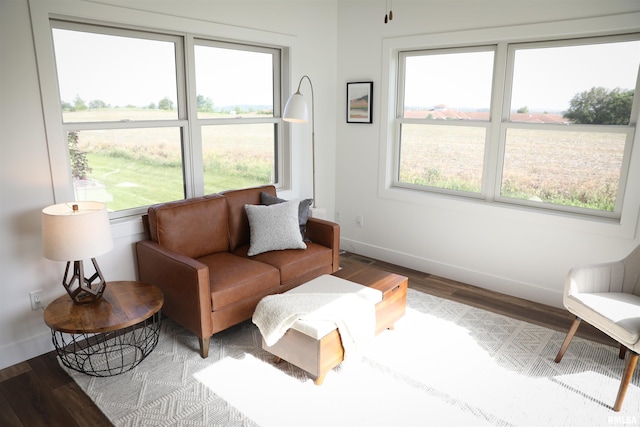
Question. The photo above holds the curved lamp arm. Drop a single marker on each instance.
(295, 111)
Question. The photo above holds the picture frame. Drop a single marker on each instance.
(360, 102)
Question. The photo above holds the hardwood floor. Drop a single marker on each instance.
(38, 392)
(518, 308)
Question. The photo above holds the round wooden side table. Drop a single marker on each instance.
(112, 335)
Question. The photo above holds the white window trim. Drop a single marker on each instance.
(487, 125)
(42, 11)
(506, 124)
(180, 122)
(198, 123)
(610, 25)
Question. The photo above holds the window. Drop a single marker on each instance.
(124, 134)
(445, 118)
(236, 114)
(546, 125)
(138, 136)
(568, 125)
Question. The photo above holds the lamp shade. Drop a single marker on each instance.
(70, 234)
(295, 110)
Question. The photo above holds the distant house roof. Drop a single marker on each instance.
(445, 113)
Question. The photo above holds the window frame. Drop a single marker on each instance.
(198, 123)
(187, 120)
(499, 123)
(400, 120)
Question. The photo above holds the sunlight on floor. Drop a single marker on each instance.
(359, 395)
(427, 368)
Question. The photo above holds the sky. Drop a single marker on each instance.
(124, 67)
(246, 78)
(123, 73)
(550, 78)
(545, 79)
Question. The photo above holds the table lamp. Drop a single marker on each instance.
(72, 232)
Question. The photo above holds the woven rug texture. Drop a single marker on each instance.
(445, 363)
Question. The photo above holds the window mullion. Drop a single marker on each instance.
(123, 125)
(192, 143)
(398, 118)
(239, 119)
(494, 148)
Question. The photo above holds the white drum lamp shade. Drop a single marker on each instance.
(69, 235)
(73, 232)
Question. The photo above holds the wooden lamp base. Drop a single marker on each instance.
(82, 290)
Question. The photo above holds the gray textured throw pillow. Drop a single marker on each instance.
(303, 210)
(274, 227)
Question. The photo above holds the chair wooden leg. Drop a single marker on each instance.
(204, 347)
(626, 378)
(623, 351)
(567, 340)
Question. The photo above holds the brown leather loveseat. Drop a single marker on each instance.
(197, 255)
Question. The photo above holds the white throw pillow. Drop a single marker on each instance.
(303, 210)
(274, 227)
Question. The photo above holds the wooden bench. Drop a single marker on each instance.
(318, 349)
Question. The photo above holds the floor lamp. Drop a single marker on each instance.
(295, 111)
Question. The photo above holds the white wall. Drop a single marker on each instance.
(511, 250)
(26, 186)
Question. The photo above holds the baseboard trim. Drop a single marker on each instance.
(505, 285)
(24, 350)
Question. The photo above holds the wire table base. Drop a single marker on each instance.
(111, 353)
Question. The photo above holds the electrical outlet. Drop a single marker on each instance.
(36, 299)
(338, 216)
(360, 220)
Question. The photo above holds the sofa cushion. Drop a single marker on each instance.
(294, 265)
(233, 278)
(274, 228)
(238, 222)
(206, 231)
(303, 209)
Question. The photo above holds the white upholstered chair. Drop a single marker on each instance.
(607, 296)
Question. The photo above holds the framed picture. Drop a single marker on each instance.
(359, 102)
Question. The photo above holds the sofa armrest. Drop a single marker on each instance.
(184, 282)
(325, 233)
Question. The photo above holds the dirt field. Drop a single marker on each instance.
(567, 167)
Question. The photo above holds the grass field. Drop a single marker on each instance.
(139, 167)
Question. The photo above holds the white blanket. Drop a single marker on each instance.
(353, 315)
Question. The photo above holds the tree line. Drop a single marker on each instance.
(79, 104)
(601, 106)
(598, 106)
(204, 104)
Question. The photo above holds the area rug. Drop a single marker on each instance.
(445, 363)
